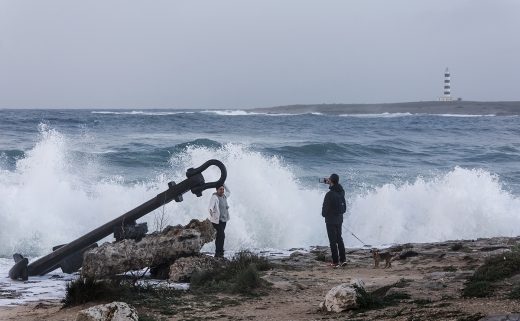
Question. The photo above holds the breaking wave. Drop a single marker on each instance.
(52, 195)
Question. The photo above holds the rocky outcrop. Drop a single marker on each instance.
(115, 311)
(182, 269)
(153, 250)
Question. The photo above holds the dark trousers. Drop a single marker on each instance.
(219, 241)
(336, 243)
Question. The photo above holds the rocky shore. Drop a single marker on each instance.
(426, 282)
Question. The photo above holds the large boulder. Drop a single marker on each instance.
(342, 297)
(115, 311)
(153, 250)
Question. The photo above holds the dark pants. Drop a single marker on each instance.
(219, 241)
(336, 243)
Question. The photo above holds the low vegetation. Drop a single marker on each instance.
(515, 293)
(240, 275)
(320, 256)
(457, 247)
(87, 290)
(378, 298)
(495, 268)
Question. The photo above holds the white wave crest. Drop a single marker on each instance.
(232, 112)
(462, 204)
(381, 115)
(53, 197)
(144, 113)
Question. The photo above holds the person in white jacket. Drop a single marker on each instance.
(219, 215)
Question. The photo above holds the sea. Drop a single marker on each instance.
(408, 177)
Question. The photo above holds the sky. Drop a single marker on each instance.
(237, 54)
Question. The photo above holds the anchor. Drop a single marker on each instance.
(64, 254)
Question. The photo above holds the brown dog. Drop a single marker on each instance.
(386, 256)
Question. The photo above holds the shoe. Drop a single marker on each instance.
(343, 264)
(334, 265)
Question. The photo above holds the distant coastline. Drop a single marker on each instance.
(499, 108)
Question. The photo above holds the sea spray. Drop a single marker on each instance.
(54, 194)
(51, 198)
(269, 207)
(461, 204)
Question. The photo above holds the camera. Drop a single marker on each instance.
(324, 180)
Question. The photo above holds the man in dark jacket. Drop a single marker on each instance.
(333, 208)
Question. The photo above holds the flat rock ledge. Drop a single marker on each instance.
(159, 248)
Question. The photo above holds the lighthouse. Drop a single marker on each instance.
(447, 86)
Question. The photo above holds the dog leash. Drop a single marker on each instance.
(354, 235)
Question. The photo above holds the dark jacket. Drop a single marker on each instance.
(332, 209)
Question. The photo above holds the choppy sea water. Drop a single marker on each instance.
(408, 178)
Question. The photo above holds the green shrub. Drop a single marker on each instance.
(203, 278)
(395, 297)
(515, 293)
(247, 280)
(243, 259)
(495, 268)
(378, 298)
(516, 248)
(450, 268)
(472, 317)
(422, 302)
(240, 275)
(366, 300)
(320, 256)
(477, 289)
(87, 290)
(498, 267)
(456, 247)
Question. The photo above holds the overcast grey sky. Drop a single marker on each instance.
(256, 53)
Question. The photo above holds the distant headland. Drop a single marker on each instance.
(459, 107)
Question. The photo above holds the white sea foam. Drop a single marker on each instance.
(250, 113)
(462, 115)
(231, 112)
(144, 113)
(381, 115)
(462, 204)
(268, 205)
(52, 198)
(47, 287)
